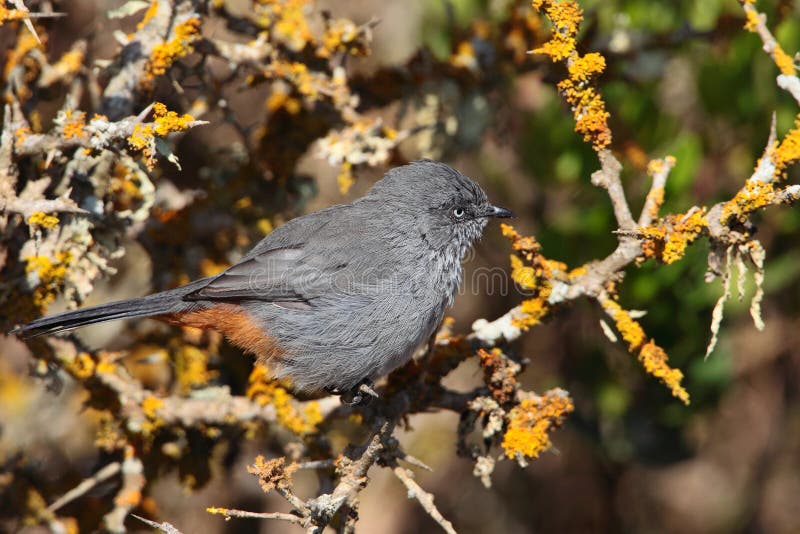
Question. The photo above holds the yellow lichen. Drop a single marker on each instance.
(69, 63)
(345, 178)
(51, 275)
(752, 196)
(652, 357)
(80, 367)
(536, 277)
(166, 53)
(43, 220)
(530, 423)
(280, 98)
(291, 26)
(105, 366)
(164, 121)
(752, 20)
(169, 121)
(464, 57)
(341, 35)
(585, 67)
(11, 14)
(191, 368)
(784, 61)
(263, 390)
(150, 408)
(151, 405)
(787, 151)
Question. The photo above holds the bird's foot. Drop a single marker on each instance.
(357, 395)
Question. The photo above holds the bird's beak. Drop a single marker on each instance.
(501, 213)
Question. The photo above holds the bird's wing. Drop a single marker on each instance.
(297, 262)
(275, 275)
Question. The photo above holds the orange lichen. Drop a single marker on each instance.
(166, 53)
(584, 68)
(464, 57)
(26, 42)
(11, 14)
(652, 357)
(588, 107)
(530, 423)
(263, 390)
(271, 474)
(667, 239)
(148, 15)
(566, 18)
(74, 124)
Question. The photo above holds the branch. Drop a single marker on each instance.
(231, 512)
(757, 22)
(353, 467)
(163, 527)
(424, 498)
(608, 178)
(102, 475)
(130, 493)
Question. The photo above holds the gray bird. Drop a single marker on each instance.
(336, 298)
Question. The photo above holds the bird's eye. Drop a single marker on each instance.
(458, 213)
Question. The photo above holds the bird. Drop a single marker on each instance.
(335, 299)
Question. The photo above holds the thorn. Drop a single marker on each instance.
(20, 6)
(145, 112)
(772, 133)
(415, 462)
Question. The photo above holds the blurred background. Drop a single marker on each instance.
(683, 78)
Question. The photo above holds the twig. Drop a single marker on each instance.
(102, 475)
(786, 81)
(353, 477)
(163, 527)
(230, 512)
(130, 493)
(608, 177)
(424, 498)
(656, 194)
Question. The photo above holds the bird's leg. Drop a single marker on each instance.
(332, 390)
(360, 393)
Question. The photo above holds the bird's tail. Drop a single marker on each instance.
(166, 302)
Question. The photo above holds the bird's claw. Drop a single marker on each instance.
(359, 394)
